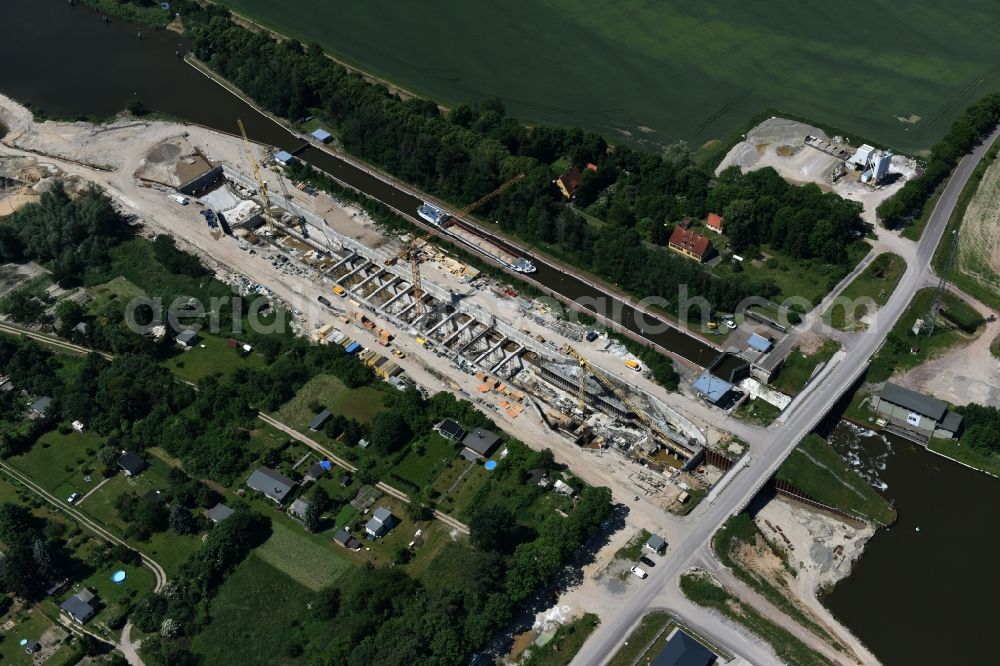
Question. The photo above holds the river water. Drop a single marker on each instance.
(71, 64)
(916, 597)
(925, 590)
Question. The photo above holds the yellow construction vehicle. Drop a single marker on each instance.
(412, 251)
(265, 200)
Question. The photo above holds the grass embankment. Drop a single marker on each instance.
(648, 638)
(817, 470)
(740, 531)
(956, 322)
(989, 463)
(799, 367)
(876, 282)
(977, 218)
(565, 644)
(798, 278)
(705, 591)
(757, 411)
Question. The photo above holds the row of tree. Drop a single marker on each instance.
(468, 152)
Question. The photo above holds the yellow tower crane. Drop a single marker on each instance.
(586, 367)
(412, 251)
(265, 200)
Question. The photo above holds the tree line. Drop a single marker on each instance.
(462, 155)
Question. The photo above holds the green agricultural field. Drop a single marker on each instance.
(298, 554)
(654, 72)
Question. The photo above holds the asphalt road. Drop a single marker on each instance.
(767, 452)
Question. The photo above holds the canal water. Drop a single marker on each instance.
(71, 63)
(925, 590)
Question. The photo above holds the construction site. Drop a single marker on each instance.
(416, 313)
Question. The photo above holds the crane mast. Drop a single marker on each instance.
(265, 200)
(412, 251)
(586, 367)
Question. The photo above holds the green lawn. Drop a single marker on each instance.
(797, 278)
(819, 471)
(211, 356)
(324, 389)
(257, 617)
(421, 468)
(799, 367)
(461, 496)
(876, 282)
(62, 463)
(904, 350)
(667, 71)
(118, 289)
(301, 556)
(361, 403)
(113, 597)
(758, 411)
(29, 624)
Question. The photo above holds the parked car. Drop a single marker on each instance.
(648, 562)
(398, 354)
(639, 572)
(72, 498)
(730, 324)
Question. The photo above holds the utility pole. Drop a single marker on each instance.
(931, 316)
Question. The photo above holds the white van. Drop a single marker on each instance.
(638, 571)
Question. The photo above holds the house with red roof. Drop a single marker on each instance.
(689, 244)
(714, 222)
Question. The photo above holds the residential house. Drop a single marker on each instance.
(218, 513)
(656, 544)
(80, 606)
(344, 538)
(187, 338)
(914, 415)
(682, 650)
(450, 430)
(272, 483)
(714, 222)
(298, 508)
(131, 463)
(689, 244)
(568, 182)
(380, 523)
(318, 420)
(481, 441)
(41, 406)
(316, 470)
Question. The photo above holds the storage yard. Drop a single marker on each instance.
(801, 153)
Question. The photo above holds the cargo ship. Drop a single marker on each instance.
(441, 219)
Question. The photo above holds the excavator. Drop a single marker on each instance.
(412, 252)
